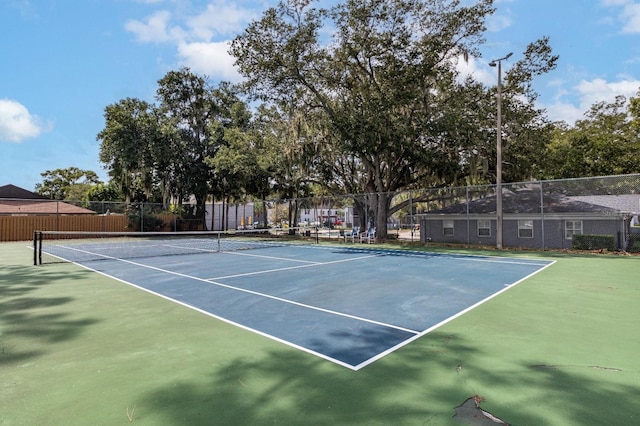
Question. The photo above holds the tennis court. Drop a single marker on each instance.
(349, 304)
(77, 347)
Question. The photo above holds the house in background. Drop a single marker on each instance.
(325, 215)
(16, 201)
(12, 191)
(531, 220)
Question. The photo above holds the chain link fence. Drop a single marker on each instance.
(587, 213)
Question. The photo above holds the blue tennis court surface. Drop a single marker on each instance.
(347, 304)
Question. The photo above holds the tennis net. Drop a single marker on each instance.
(78, 246)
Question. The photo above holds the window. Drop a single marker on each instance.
(525, 229)
(447, 227)
(484, 228)
(572, 227)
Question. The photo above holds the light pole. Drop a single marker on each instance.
(498, 63)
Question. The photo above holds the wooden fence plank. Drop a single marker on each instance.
(21, 228)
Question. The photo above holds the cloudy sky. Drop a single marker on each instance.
(64, 61)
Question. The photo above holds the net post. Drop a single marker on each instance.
(41, 237)
(35, 248)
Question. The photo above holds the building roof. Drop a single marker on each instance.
(12, 191)
(18, 201)
(627, 203)
(526, 201)
(39, 207)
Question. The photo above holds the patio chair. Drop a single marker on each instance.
(369, 236)
(352, 235)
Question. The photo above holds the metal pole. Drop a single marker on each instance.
(493, 63)
(413, 226)
(499, 162)
(544, 246)
(467, 201)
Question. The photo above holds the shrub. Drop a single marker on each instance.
(594, 242)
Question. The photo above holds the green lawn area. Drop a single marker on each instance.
(79, 348)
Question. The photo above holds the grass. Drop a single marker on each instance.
(78, 348)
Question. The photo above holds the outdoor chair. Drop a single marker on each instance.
(369, 236)
(352, 235)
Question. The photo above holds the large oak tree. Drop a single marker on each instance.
(379, 88)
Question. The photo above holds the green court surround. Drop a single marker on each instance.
(77, 348)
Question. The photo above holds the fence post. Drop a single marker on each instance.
(467, 202)
(413, 226)
(544, 247)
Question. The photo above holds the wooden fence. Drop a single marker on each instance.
(20, 228)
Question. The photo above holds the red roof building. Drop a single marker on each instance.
(15, 201)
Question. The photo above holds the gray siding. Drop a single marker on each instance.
(466, 232)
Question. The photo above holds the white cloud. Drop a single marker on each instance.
(211, 59)
(154, 29)
(219, 19)
(630, 15)
(497, 23)
(563, 111)
(17, 123)
(601, 90)
(615, 2)
(586, 94)
(483, 74)
(202, 40)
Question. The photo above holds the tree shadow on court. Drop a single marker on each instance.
(285, 388)
(31, 322)
(535, 393)
(291, 387)
(585, 394)
(358, 345)
(421, 383)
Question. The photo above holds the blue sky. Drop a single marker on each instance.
(64, 61)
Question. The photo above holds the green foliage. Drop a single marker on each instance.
(605, 142)
(71, 183)
(177, 209)
(130, 131)
(165, 151)
(147, 222)
(379, 108)
(594, 242)
(102, 192)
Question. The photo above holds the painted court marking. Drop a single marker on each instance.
(288, 268)
(414, 334)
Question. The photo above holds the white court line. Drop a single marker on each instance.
(434, 254)
(447, 320)
(268, 296)
(235, 253)
(416, 334)
(288, 268)
(221, 318)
